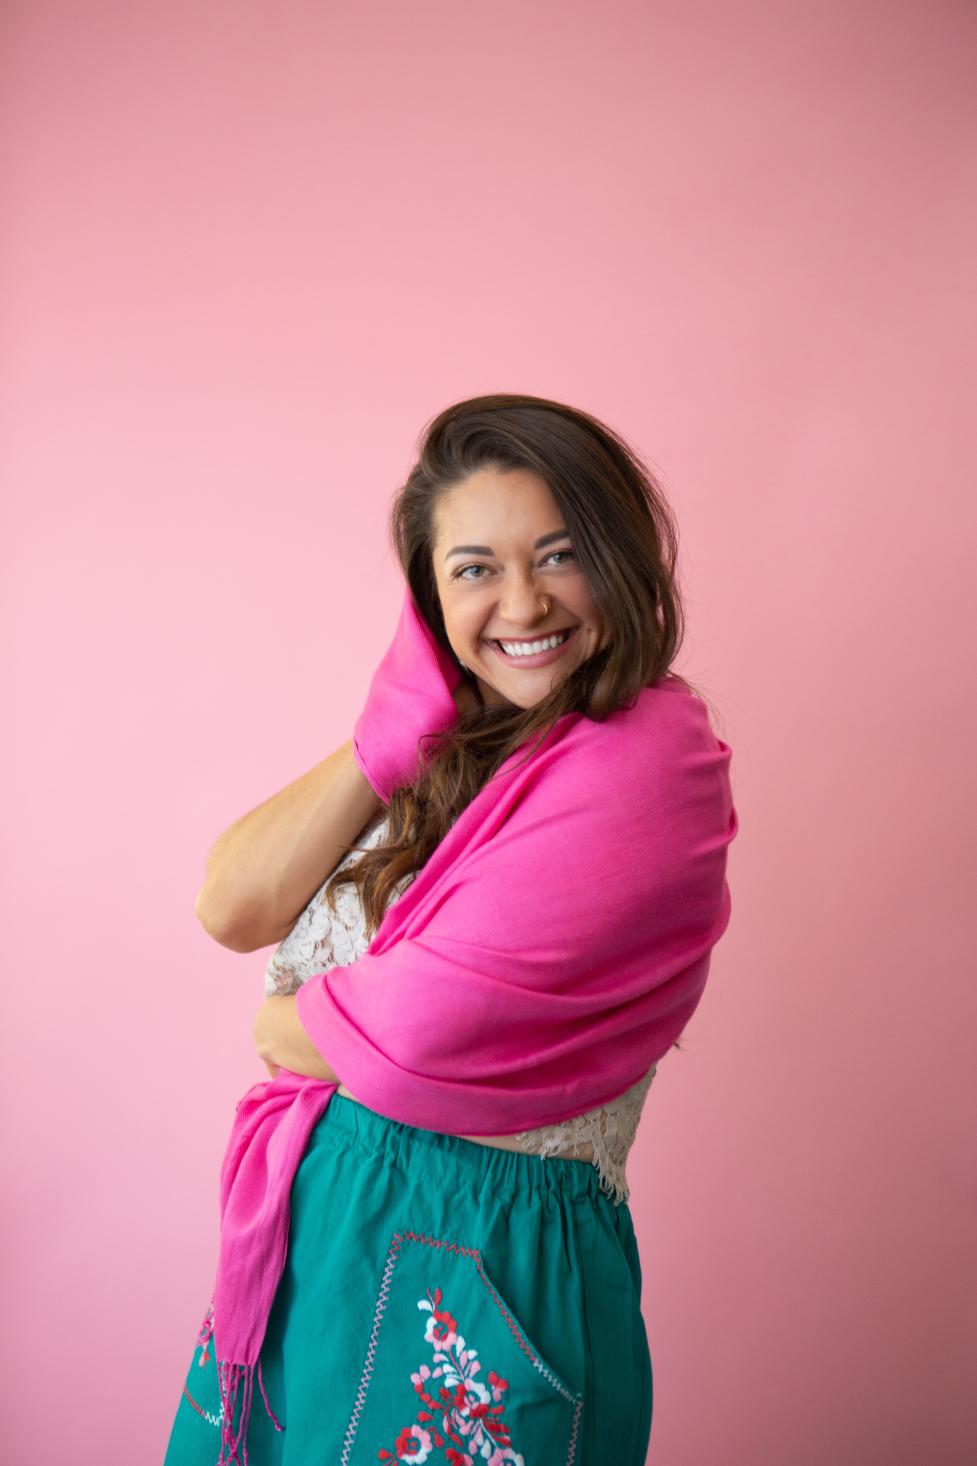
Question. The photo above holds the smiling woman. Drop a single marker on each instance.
(464, 1021)
(518, 593)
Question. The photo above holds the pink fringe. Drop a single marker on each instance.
(271, 1413)
(232, 1379)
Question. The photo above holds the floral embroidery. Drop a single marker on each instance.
(455, 1405)
(203, 1339)
(206, 1334)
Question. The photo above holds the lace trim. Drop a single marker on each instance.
(610, 1129)
(319, 940)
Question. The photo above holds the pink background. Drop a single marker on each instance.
(248, 250)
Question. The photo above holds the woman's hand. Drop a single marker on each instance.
(410, 695)
(282, 1042)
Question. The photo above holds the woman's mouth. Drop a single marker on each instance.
(535, 659)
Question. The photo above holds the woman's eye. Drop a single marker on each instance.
(461, 575)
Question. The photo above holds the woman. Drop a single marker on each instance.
(460, 1296)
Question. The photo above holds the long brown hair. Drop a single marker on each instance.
(625, 541)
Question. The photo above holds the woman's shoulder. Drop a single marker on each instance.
(656, 760)
(667, 720)
(671, 703)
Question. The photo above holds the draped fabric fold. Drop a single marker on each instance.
(552, 948)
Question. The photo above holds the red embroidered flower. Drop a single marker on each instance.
(413, 1444)
(469, 1412)
(443, 1327)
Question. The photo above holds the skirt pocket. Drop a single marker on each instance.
(449, 1367)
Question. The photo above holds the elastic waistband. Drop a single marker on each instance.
(477, 1165)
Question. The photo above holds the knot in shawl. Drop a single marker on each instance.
(552, 948)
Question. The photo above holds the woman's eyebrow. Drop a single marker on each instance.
(546, 539)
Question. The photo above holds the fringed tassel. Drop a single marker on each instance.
(271, 1413)
(232, 1379)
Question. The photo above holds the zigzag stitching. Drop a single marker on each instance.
(210, 1419)
(381, 1304)
(514, 1329)
(472, 1252)
(573, 1433)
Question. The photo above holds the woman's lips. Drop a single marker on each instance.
(541, 659)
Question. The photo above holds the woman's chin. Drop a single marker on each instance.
(512, 697)
(492, 696)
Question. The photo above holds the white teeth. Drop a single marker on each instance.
(532, 648)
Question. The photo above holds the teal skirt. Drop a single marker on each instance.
(445, 1302)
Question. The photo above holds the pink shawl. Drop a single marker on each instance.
(552, 948)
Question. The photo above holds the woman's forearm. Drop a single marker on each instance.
(280, 1039)
(264, 869)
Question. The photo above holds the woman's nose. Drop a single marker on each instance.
(523, 604)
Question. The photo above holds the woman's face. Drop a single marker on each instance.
(495, 581)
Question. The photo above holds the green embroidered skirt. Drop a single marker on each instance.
(442, 1301)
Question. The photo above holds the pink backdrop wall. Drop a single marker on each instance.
(247, 251)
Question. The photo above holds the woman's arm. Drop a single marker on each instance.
(281, 1040)
(264, 869)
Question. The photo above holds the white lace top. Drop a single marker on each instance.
(319, 940)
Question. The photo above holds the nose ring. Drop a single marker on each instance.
(546, 612)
